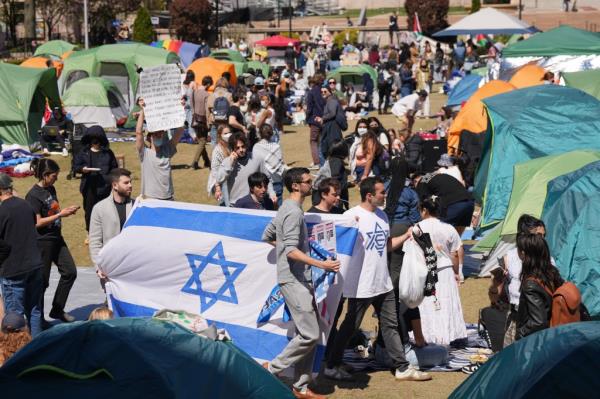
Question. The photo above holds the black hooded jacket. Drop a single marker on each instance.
(106, 161)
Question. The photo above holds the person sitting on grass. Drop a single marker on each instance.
(257, 199)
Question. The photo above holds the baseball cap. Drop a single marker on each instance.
(259, 81)
(5, 181)
(13, 321)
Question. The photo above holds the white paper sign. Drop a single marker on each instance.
(160, 87)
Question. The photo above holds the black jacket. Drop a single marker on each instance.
(535, 309)
(106, 163)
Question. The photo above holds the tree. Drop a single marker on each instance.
(52, 11)
(142, 27)
(11, 18)
(191, 19)
(433, 14)
(475, 6)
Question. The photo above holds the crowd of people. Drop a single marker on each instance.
(243, 124)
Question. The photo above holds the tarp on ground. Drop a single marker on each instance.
(277, 41)
(571, 213)
(353, 73)
(555, 363)
(487, 21)
(563, 40)
(23, 93)
(527, 124)
(463, 90)
(116, 62)
(95, 101)
(588, 81)
(54, 47)
(472, 116)
(214, 68)
(528, 75)
(134, 358)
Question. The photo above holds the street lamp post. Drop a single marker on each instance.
(85, 24)
(218, 33)
(291, 13)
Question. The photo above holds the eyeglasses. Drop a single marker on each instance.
(331, 83)
(324, 92)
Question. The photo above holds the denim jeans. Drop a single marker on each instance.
(278, 188)
(23, 294)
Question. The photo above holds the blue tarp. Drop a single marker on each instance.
(463, 90)
(571, 213)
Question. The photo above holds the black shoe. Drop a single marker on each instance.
(207, 165)
(62, 316)
(45, 324)
(195, 166)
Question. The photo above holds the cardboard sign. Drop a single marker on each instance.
(160, 87)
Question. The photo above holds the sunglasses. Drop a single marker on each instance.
(331, 83)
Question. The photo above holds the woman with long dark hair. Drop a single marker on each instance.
(94, 162)
(538, 278)
(402, 201)
(44, 201)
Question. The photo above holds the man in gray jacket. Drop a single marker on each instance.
(288, 232)
(109, 215)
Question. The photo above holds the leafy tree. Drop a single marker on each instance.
(191, 19)
(142, 27)
(52, 11)
(433, 14)
(475, 6)
(11, 17)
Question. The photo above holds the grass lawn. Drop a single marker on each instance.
(190, 186)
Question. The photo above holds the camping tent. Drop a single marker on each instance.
(472, 116)
(41, 62)
(23, 94)
(555, 363)
(207, 66)
(563, 40)
(571, 213)
(277, 41)
(186, 51)
(588, 81)
(526, 124)
(528, 75)
(463, 90)
(54, 47)
(487, 21)
(118, 63)
(231, 56)
(353, 74)
(95, 101)
(134, 358)
(257, 65)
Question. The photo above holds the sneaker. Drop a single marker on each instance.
(338, 374)
(46, 152)
(195, 166)
(65, 153)
(470, 369)
(62, 316)
(412, 374)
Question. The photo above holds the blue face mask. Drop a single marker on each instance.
(157, 141)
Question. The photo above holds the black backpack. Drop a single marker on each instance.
(221, 109)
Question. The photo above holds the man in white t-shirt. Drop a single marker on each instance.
(406, 108)
(370, 284)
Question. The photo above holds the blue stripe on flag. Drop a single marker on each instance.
(237, 225)
(256, 343)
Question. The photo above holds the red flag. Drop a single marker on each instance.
(416, 24)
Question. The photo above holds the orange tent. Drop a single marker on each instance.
(472, 116)
(41, 62)
(528, 75)
(207, 66)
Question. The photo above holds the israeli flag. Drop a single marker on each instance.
(211, 261)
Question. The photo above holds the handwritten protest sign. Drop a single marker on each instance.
(160, 87)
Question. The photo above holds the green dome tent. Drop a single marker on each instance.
(571, 213)
(526, 124)
(23, 94)
(257, 65)
(587, 81)
(564, 40)
(118, 63)
(134, 358)
(556, 363)
(235, 57)
(95, 101)
(54, 47)
(353, 74)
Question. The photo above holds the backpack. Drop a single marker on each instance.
(566, 303)
(220, 109)
(382, 82)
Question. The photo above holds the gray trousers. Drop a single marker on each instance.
(385, 306)
(300, 351)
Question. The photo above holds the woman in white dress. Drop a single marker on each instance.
(441, 314)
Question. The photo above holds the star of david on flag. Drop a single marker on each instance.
(214, 259)
(377, 239)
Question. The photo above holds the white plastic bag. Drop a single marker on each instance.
(413, 274)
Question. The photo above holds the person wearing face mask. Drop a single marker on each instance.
(157, 181)
(356, 157)
(236, 168)
(220, 152)
(266, 115)
(94, 163)
(270, 151)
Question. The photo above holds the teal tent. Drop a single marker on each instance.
(564, 40)
(571, 213)
(134, 358)
(353, 74)
(526, 124)
(588, 81)
(555, 363)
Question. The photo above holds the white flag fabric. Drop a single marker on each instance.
(211, 261)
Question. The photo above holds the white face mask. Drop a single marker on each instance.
(263, 104)
(361, 130)
(226, 136)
